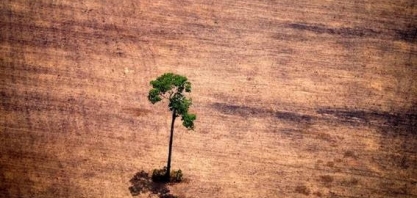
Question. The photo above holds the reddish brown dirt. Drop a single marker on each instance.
(293, 98)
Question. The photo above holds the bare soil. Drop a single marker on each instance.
(294, 98)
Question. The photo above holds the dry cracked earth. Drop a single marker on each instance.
(294, 98)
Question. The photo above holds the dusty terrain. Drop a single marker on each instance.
(294, 98)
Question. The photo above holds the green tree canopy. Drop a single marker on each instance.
(172, 87)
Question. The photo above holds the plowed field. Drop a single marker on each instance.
(293, 98)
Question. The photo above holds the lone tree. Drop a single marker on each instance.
(171, 86)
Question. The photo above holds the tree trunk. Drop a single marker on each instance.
(167, 174)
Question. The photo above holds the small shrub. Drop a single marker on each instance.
(158, 175)
(176, 176)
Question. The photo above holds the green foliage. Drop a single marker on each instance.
(154, 96)
(188, 120)
(176, 176)
(172, 87)
(168, 81)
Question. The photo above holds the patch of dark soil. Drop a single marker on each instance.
(346, 115)
(326, 180)
(401, 123)
(318, 194)
(395, 189)
(350, 154)
(344, 31)
(398, 133)
(408, 34)
(4, 184)
(302, 190)
(350, 182)
(293, 117)
(245, 111)
(136, 111)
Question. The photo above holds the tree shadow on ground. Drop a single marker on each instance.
(142, 183)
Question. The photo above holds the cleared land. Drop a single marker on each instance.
(294, 98)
